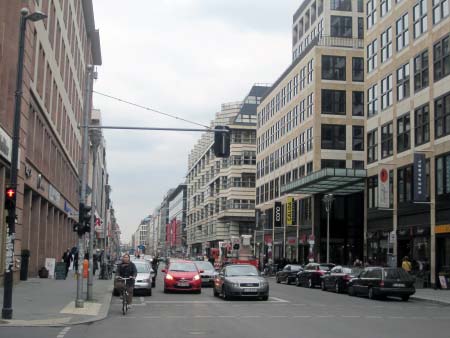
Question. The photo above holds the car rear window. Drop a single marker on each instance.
(296, 267)
(396, 274)
(325, 267)
(183, 267)
(142, 268)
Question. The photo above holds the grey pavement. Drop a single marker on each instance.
(431, 295)
(50, 302)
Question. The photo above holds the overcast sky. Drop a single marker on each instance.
(183, 57)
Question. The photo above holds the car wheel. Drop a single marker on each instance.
(166, 291)
(266, 297)
(337, 288)
(288, 281)
(115, 292)
(198, 291)
(297, 281)
(322, 286)
(371, 294)
(278, 280)
(351, 291)
(153, 284)
(149, 292)
(215, 293)
(405, 298)
(310, 283)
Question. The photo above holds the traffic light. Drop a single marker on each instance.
(78, 228)
(84, 220)
(222, 141)
(10, 199)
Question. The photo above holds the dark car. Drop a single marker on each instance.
(382, 282)
(288, 274)
(312, 273)
(337, 278)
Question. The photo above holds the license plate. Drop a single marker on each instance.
(250, 290)
(183, 284)
(399, 285)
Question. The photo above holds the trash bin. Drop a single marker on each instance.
(25, 254)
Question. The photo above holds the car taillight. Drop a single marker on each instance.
(347, 277)
(196, 277)
(169, 277)
(320, 272)
(382, 283)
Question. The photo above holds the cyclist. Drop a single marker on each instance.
(127, 269)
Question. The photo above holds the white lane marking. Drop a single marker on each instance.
(177, 317)
(277, 316)
(251, 317)
(279, 300)
(226, 316)
(63, 332)
(299, 304)
(374, 317)
(203, 316)
(197, 333)
(396, 317)
(150, 317)
(326, 316)
(301, 317)
(350, 316)
(272, 300)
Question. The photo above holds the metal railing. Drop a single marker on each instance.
(335, 41)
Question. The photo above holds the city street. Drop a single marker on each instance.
(290, 312)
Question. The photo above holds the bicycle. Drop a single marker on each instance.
(124, 293)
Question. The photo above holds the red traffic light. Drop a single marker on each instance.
(10, 193)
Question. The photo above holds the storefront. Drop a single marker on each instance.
(443, 255)
(5, 160)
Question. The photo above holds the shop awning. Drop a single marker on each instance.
(328, 180)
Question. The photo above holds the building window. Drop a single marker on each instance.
(358, 69)
(421, 71)
(360, 28)
(310, 108)
(441, 58)
(403, 82)
(310, 71)
(295, 84)
(333, 67)
(309, 139)
(357, 164)
(333, 136)
(404, 184)
(358, 138)
(340, 164)
(442, 116)
(309, 168)
(341, 5)
(357, 103)
(386, 92)
(333, 102)
(302, 78)
(443, 175)
(387, 140)
(371, 13)
(360, 6)
(386, 44)
(403, 133)
(440, 10)
(385, 6)
(372, 101)
(341, 26)
(420, 18)
(372, 49)
(402, 36)
(422, 125)
(372, 146)
(372, 192)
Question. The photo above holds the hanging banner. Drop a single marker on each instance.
(420, 178)
(289, 211)
(277, 214)
(383, 188)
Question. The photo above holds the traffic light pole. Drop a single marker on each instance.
(79, 302)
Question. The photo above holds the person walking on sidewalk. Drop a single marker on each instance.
(406, 264)
(127, 269)
(67, 258)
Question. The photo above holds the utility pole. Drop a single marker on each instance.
(79, 302)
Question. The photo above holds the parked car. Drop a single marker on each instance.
(240, 280)
(209, 273)
(311, 274)
(382, 282)
(337, 278)
(143, 280)
(288, 274)
(182, 276)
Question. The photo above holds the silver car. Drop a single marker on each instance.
(144, 276)
(241, 281)
(209, 273)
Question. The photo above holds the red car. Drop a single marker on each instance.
(182, 276)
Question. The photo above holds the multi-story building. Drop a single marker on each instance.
(163, 247)
(221, 192)
(310, 139)
(141, 235)
(57, 53)
(176, 228)
(407, 46)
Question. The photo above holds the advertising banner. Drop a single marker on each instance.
(383, 188)
(289, 211)
(277, 214)
(420, 178)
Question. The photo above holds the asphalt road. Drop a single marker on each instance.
(290, 312)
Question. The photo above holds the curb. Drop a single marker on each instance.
(434, 301)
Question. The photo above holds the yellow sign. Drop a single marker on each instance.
(442, 229)
(289, 210)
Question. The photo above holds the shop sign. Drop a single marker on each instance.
(53, 194)
(383, 188)
(442, 229)
(289, 210)
(5, 145)
(420, 178)
(277, 214)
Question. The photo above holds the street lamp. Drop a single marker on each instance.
(8, 275)
(328, 200)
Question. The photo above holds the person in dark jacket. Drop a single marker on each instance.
(127, 269)
(67, 258)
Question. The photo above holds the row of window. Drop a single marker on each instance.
(286, 153)
(307, 20)
(334, 137)
(308, 40)
(334, 102)
(334, 68)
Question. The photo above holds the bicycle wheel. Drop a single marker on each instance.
(124, 302)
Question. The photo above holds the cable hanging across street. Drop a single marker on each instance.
(150, 109)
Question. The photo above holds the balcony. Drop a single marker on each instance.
(335, 41)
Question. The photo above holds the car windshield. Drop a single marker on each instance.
(396, 274)
(241, 270)
(142, 268)
(204, 265)
(296, 267)
(325, 267)
(183, 267)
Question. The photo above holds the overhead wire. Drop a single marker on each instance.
(149, 109)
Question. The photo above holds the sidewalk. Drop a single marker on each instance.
(49, 302)
(434, 296)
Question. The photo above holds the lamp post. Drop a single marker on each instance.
(328, 200)
(8, 275)
(95, 136)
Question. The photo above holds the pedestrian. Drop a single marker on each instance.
(67, 258)
(357, 263)
(86, 266)
(95, 259)
(406, 264)
(75, 261)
